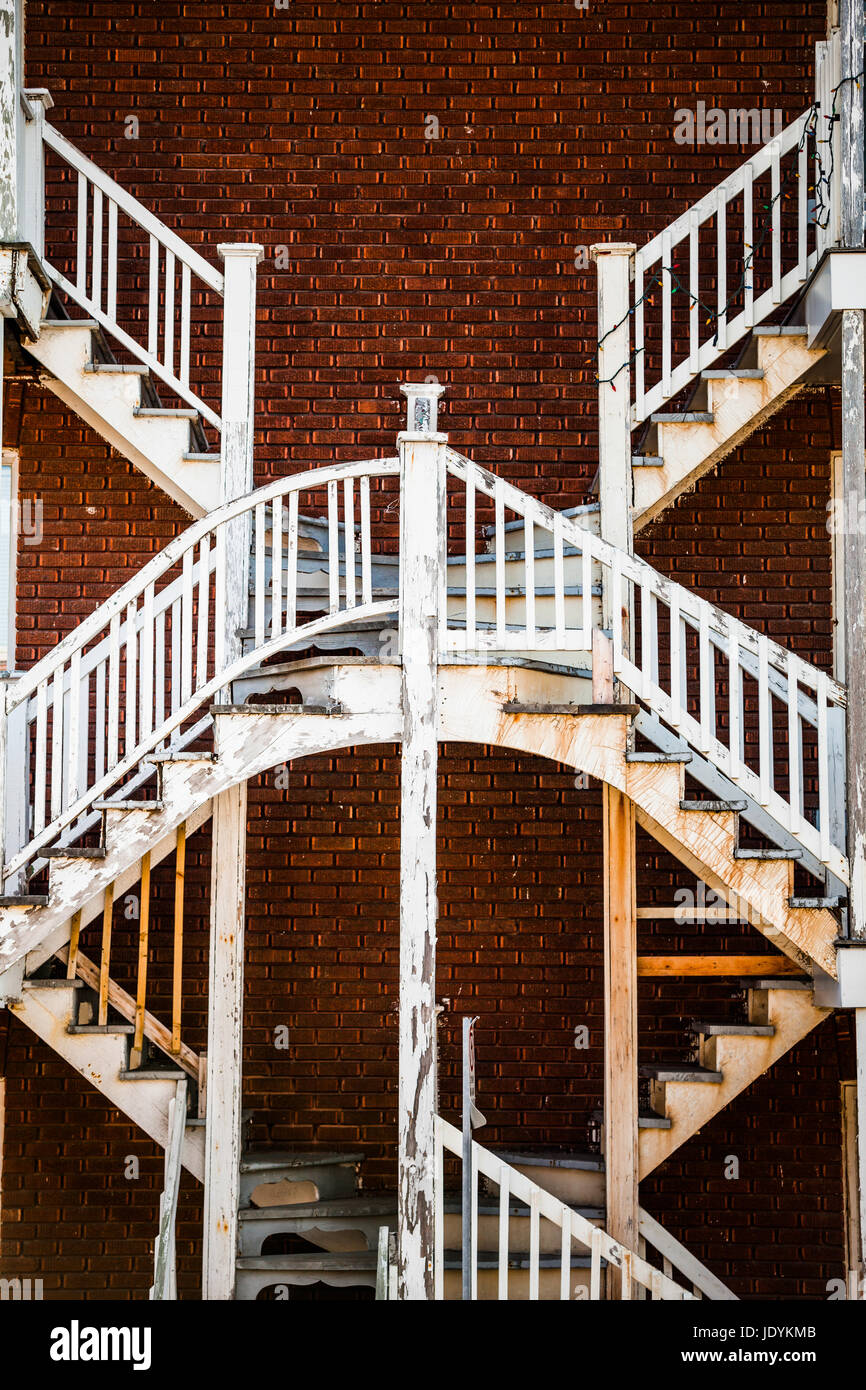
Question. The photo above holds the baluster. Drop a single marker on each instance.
(625, 1293)
(529, 579)
(145, 711)
(111, 267)
(175, 683)
(113, 690)
(184, 323)
(349, 534)
(73, 752)
(776, 217)
(57, 742)
(259, 595)
(143, 944)
(438, 1214)
(159, 671)
(823, 767)
(504, 1233)
(616, 610)
(595, 1264)
(684, 668)
(81, 239)
(722, 270)
(131, 682)
(639, 339)
(565, 1256)
(802, 212)
(105, 958)
(186, 626)
(203, 611)
(666, 289)
(153, 300)
(96, 272)
(473, 1269)
(292, 564)
(534, 1243)
(177, 962)
(99, 676)
(765, 724)
(219, 600)
(333, 548)
(748, 250)
(41, 757)
(793, 749)
(734, 693)
(676, 661)
(694, 295)
(708, 683)
(366, 543)
(470, 557)
(559, 586)
(277, 567)
(656, 1288)
(169, 311)
(499, 509)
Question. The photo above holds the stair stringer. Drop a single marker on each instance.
(100, 1058)
(741, 1060)
(689, 450)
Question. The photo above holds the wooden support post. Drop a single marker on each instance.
(72, 958)
(614, 395)
(620, 1022)
(225, 1043)
(422, 567)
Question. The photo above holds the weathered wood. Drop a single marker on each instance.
(674, 966)
(422, 552)
(177, 962)
(10, 49)
(853, 509)
(225, 1046)
(852, 29)
(143, 949)
(72, 961)
(105, 958)
(860, 1042)
(620, 1023)
(164, 1281)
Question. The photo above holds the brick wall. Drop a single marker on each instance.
(304, 128)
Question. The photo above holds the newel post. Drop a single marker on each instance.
(422, 568)
(614, 261)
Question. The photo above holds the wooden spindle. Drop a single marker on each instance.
(143, 947)
(504, 1233)
(534, 1243)
(72, 958)
(177, 971)
(105, 958)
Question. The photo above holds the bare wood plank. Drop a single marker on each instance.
(760, 966)
(143, 949)
(105, 958)
(74, 934)
(177, 970)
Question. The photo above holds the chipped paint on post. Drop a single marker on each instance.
(422, 547)
(8, 122)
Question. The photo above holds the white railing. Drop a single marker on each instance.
(675, 1256)
(724, 266)
(577, 1237)
(113, 238)
(768, 720)
(133, 675)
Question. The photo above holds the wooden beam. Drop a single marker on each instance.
(224, 1046)
(422, 568)
(620, 1022)
(675, 966)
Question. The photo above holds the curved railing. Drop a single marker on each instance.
(129, 679)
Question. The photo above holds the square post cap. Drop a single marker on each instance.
(422, 403)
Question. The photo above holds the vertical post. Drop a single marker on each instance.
(422, 561)
(9, 123)
(32, 208)
(224, 1050)
(615, 493)
(620, 1021)
(236, 435)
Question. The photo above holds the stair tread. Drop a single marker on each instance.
(75, 852)
(328, 1259)
(735, 373)
(679, 1071)
(339, 1207)
(769, 854)
(817, 902)
(151, 1074)
(775, 982)
(54, 983)
(684, 757)
(121, 368)
(164, 411)
(24, 900)
(757, 1030)
(69, 323)
(683, 417)
(714, 806)
(97, 1028)
(284, 1158)
(127, 805)
(516, 707)
(589, 1162)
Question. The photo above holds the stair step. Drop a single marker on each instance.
(745, 1030)
(646, 461)
(152, 1074)
(683, 417)
(817, 902)
(201, 458)
(713, 806)
(337, 1207)
(100, 1028)
(278, 709)
(270, 1159)
(350, 1261)
(591, 1163)
(181, 757)
(780, 330)
(161, 412)
(127, 805)
(775, 982)
(515, 707)
(121, 368)
(679, 1071)
(684, 757)
(75, 852)
(37, 983)
(70, 323)
(791, 853)
(734, 373)
(24, 900)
